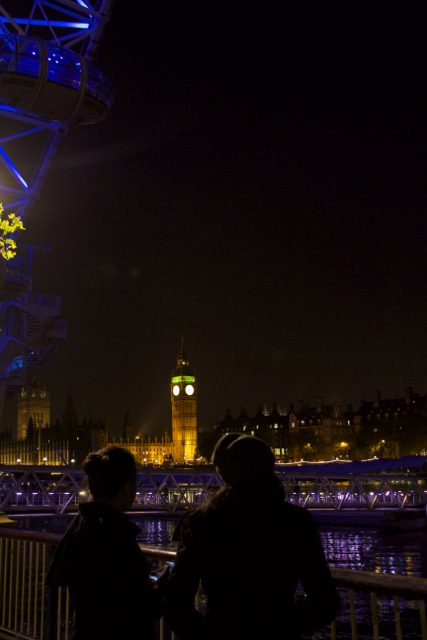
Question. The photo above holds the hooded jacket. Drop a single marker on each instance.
(249, 548)
(100, 562)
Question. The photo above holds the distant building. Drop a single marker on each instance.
(184, 410)
(182, 447)
(393, 427)
(330, 426)
(33, 402)
(34, 451)
(319, 432)
(40, 442)
(410, 404)
(271, 427)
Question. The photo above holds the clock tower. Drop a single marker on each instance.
(184, 410)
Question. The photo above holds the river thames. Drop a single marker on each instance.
(357, 548)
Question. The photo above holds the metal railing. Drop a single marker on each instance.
(33, 611)
(24, 606)
(43, 299)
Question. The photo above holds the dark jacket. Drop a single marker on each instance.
(101, 563)
(249, 548)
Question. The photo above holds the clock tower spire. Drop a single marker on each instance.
(184, 409)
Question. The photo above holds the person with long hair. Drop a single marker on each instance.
(100, 562)
(249, 548)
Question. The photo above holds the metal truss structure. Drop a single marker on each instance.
(367, 491)
(28, 142)
(58, 490)
(31, 332)
(47, 83)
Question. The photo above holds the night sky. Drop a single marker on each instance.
(260, 187)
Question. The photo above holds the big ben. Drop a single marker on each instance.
(184, 410)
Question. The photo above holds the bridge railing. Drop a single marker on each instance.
(378, 605)
(61, 488)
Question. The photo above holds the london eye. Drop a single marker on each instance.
(48, 84)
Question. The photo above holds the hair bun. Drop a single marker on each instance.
(96, 464)
(108, 470)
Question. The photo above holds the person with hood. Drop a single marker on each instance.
(249, 548)
(100, 562)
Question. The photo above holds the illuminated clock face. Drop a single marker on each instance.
(175, 390)
(189, 389)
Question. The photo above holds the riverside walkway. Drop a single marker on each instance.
(373, 605)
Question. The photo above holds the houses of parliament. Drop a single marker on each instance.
(68, 442)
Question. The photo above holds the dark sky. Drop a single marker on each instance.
(260, 187)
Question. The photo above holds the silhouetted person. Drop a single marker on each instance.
(249, 548)
(100, 561)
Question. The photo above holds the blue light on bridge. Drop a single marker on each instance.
(52, 23)
(8, 162)
(16, 364)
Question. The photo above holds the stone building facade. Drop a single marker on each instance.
(34, 403)
(312, 433)
(182, 446)
(68, 441)
(271, 427)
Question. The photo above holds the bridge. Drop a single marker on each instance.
(58, 490)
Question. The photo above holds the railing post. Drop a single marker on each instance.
(51, 612)
(374, 608)
(422, 607)
(51, 601)
(352, 614)
(397, 618)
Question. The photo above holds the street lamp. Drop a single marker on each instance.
(45, 460)
(18, 460)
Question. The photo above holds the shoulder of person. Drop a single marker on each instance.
(298, 515)
(193, 523)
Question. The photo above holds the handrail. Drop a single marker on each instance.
(31, 536)
(162, 554)
(409, 587)
(32, 609)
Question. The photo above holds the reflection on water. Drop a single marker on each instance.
(403, 554)
(156, 531)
